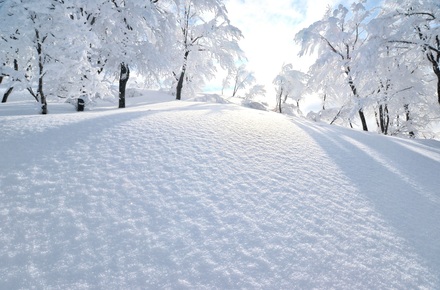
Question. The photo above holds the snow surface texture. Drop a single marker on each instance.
(191, 195)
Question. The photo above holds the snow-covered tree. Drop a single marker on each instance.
(290, 84)
(8, 63)
(76, 46)
(392, 80)
(417, 25)
(205, 39)
(337, 38)
(394, 69)
(255, 91)
(239, 79)
(382, 61)
(46, 43)
(17, 49)
(133, 38)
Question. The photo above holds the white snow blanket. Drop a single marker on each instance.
(190, 195)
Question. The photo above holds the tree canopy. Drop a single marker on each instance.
(79, 47)
(378, 64)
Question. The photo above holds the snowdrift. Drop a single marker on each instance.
(193, 195)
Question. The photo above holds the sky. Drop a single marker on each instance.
(269, 28)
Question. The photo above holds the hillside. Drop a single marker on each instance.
(193, 195)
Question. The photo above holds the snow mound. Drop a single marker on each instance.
(209, 196)
(254, 105)
(209, 98)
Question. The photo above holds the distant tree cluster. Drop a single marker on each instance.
(242, 83)
(290, 84)
(67, 49)
(379, 65)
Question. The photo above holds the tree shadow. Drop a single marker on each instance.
(401, 182)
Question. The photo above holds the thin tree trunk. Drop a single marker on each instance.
(435, 66)
(387, 120)
(384, 119)
(280, 105)
(6, 94)
(408, 118)
(31, 91)
(179, 86)
(435, 60)
(363, 120)
(123, 79)
(376, 117)
(9, 91)
(234, 91)
(354, 91)
(279, 101)
(337, 116)
(40, 93)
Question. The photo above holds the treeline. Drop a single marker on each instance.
(57, 48)
(374, 66)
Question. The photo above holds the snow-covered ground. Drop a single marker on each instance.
(193, 195)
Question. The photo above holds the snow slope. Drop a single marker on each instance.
(191, 195)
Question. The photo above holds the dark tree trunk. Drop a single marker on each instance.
(435, 65)
(179, 86)
(354, 91)
(435, 61)
(279, 101)
(40, 92)
(384, 119)
(123, 79)
(31, 91)
(363, 120)
(6, 94)
(9, 91)
(337, 116)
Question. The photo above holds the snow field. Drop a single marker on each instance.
(208, 196)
